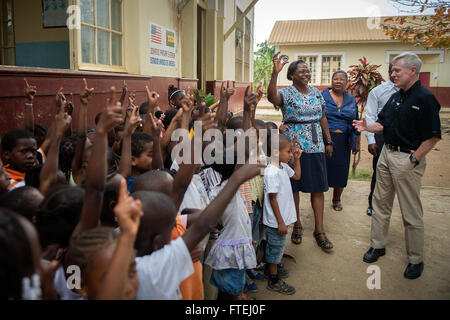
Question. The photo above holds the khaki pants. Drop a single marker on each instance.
(396, 175)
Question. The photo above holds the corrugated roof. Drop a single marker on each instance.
(326, 30)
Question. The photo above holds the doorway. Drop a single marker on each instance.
(424, 78)
(201, 47)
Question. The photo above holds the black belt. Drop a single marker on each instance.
(399, 148)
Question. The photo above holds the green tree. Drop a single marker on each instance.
(428, 31)
(263, 64)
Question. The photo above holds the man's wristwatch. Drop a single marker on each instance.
(414, 160)
(328, 143)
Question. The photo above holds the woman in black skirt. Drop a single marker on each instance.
(340, 110)
(303, 117)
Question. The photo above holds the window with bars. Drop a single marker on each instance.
(330, 64)
(312, 64)
(7, 42)
(101, 32)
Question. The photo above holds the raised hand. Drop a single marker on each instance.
(62, 122)
(206, 119)
(152, 98)
(128, 211)
(259, 93)
(30, 92)
(133, 121)
(190, 95)
(277, 63)
(157, 126)
(124, 92)
(132, 98)
(60, 100)
(124, 88)
(226, 93)
(69, 105)
(112, 115)
(249, 99)
(360, 125)
(187, 104)
(85, 96)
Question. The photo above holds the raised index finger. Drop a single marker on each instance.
(248, 91)
(26, 83)
(113, 96)
(123, 192)
(202, 109)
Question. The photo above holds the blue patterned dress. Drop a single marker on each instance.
(301, 115)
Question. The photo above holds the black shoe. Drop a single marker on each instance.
(413, 271)
(369, 211)
(373, 254)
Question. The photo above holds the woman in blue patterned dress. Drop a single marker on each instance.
(303, 116)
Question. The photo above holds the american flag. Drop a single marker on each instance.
(156, 34)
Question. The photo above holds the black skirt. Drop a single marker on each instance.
(339, 164)
(314, 174)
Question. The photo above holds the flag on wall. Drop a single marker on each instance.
(156, 34)
(170, 39)
(163, 51)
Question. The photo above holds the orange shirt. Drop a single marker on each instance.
(17, 178)
(192, 287)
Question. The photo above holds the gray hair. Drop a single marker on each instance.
(411, 60)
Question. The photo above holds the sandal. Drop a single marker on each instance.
(296, 236)
(325, 244)
(338, 206)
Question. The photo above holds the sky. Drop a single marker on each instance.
(269, 11)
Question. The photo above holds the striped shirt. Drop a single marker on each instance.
(246, 193)
(210, 179)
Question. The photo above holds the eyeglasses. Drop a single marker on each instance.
(304, 72)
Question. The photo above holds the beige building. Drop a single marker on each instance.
(333, 44)
(186, 43)
(116, 36)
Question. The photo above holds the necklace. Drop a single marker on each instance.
(336, 98)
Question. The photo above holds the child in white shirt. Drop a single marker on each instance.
(279, 209)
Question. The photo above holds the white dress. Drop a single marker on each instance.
(233, 249)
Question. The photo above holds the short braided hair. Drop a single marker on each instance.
(85, 245)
